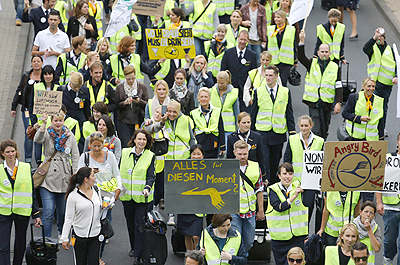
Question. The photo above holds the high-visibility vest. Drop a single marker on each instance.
(256, 79)
(165, 67)
(185, 24)
(297, 152)
(367, 241)
(272, 115)
(292, 222)
(332, 256)
(118, 71)
(200, 124)
(368, 130)
(269, 10)
(228, 116)
(275, 5)
(63, 13)
(160, 160)
(41, 86)
(338, 212)
(213, 254)
(224, 7)
(134, 176)
(248, 197)
(284, 54)
(72, 124)
(178, 144)
(334, 43)
(87, 129)
(68, 67)
(214, 61)
(101, 95)
(125, 31)
(382, 67)
(17, 200)
(97, 16)
(230, 37)
(204, 26)
(320, 85)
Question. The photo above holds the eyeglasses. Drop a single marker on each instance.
(358, 259)
(298, 261)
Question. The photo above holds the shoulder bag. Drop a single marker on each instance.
(41, 171)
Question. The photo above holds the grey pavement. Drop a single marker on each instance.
(372, 13)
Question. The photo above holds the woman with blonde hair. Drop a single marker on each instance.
(341, 253)
(233, 29)
(199, 76)
(257, 79)
(296, 256)
(103, 48)
(161, 98)
(225, 97)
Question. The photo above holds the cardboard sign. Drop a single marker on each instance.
(149, 7)
(354, 166)
(392, 175)
(312, 170)
(170, 43)
(299, 10)
(202, 186)
(48, 102)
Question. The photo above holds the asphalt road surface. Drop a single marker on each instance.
(369, 18)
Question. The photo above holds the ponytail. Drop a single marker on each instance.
(77, 179)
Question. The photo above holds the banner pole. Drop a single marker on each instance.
(305, 20)
(351, 204)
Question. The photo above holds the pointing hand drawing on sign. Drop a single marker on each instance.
(215, 195)
(360, 165)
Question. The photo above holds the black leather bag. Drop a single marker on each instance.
(106, 229)
(294, 77)
(160, 147)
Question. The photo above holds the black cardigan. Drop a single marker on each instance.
(73, 28)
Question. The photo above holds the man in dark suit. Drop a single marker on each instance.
(239, 61)
(272, 117)
(39, 16)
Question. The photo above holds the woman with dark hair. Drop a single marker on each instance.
(180, 93)
(83, 215)
(22, 96)
(137, 173)
(82, 24)
(111, 142)
(176, 16)
(99, 108)
(190, 225)
(220, 244)
(17, 202)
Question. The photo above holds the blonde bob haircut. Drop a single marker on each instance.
(129, 69)
(161, 82)
(334, 13)
(282, 14)
(198, 57)
(76, 79)
(60, 115)
(366, 80)
(350, 226)
(226, 75)
(175, 105)
(204, 89)
(239, 12)
(101, 42)
(266, 54)
(242, 115)
(305, 117)
(96, 136)
(222, 27)
(296, 251)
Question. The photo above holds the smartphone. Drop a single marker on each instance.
(163, 110)
(135, 96)
(96, 170)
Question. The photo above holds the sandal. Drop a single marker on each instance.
(101, 262)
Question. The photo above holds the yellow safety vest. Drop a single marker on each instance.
(165, 67)
(284, 54)
(97, 16)
(71, 123)
(320, 85)
(272, 115)
(248, 196)
(124, 31)
(179, 138)
(68, 67)
(87, 129)
(204, 26)
(134, 176)
(101, 95)
(200, 124)
(382, 66)
(332, 256)
(230, 37)
(118, 71)
(159, 164)
(63, 13)
(224, 7)
(185, 24)
(367, 241)
(228, 116)
(334, 43)
(292, 222)
(297, 152)
(364, 130)
(338, 212)
(17, 200)
(169, 4)
(214, 61)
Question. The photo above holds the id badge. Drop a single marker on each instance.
(73, 241)
(81, 105)
(27, 114)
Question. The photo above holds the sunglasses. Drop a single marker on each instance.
(358, 259)
(298, 261)
(98, 134)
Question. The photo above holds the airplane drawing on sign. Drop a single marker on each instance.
(360, 165)
(215, 195)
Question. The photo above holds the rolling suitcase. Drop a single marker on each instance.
(261, 249)
(42, 250)
(349, 86)
(177, 241)
(155, 250)
(328, 4)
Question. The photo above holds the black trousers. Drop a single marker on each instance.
(321, 120)
(21, 224)
(134, 213)
(272, 156)
(125, 132)
(87, 250)
(159, 187)
(284, 72)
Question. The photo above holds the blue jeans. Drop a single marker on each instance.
(247, 228)
(226, 137)
(257, 49)
(19, 8)
(51, 201)
(199, 46)
(28, 143)
(391, 242)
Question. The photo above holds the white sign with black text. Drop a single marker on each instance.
(312, 170)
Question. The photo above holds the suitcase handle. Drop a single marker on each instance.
(32, 239)
(347, 70)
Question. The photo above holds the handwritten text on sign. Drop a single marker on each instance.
(170, 43)
(149, 7)
(392, 174)
(48, 102)
(202, 186)
(312, 170)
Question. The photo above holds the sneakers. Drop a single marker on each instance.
(387, 261)
(18, 22)
(171, 220)
(156, 208)
(386, 133)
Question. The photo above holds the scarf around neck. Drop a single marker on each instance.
(59, 141)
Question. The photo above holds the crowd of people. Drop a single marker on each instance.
(110, 139)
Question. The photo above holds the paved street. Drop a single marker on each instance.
(116, 252)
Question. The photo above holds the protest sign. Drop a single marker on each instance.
(299, 10)
(354, 166)
(397, 59)
(312, 170)
(48, 102)
(170, 43)
(202, 186)
(149, 7)
(392, 175)
(120, 16)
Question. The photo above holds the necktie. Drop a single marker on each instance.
(240, 55)
(271, 91)
(46, 13)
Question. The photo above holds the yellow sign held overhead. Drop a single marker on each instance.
(170, 43)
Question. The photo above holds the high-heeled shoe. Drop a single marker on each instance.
(353, 37)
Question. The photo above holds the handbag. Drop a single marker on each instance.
(41, 171)
(294, 77)
(106, 229)
(30, 132)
